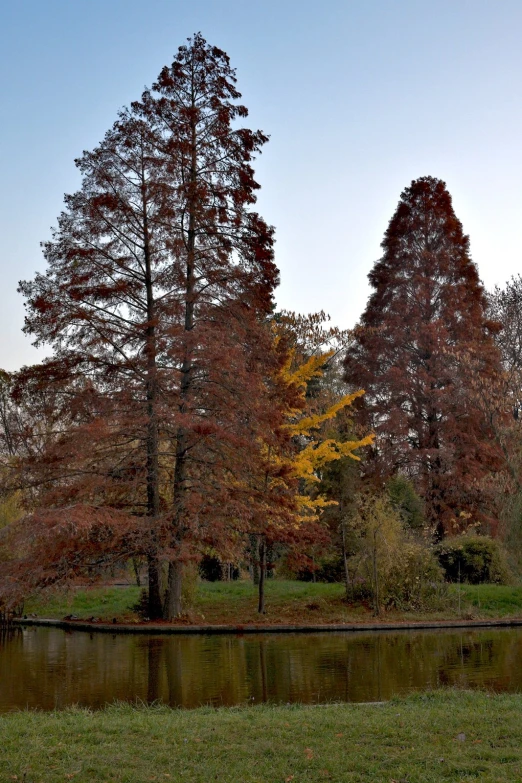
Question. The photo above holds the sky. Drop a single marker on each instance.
(359, 98)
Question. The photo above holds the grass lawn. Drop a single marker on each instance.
(490, 600)
(444, 736)
(102, 602)
(287, 602)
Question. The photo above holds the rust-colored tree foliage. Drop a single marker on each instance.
(54, 546)
(425, 316)
(155, 301)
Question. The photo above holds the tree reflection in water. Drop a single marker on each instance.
(46, 668)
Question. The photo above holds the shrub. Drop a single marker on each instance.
(474, 559)
(399, 571)
(415, 583)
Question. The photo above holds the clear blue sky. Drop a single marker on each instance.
(359, 98)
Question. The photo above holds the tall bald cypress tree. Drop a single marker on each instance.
(423, 323)
(155, 302)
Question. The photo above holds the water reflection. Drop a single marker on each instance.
(46, 668)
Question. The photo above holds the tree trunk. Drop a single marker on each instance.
(345, 561)
(154, 600)
(152, 440)
(254, 550)
(262, 574)
(173, 605)
(136, 563)
(376, 596)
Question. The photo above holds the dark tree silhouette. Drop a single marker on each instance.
(423, 328)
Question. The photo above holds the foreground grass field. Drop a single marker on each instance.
(287, 602)
(444, 736)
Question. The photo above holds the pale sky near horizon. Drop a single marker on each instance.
(359, 97)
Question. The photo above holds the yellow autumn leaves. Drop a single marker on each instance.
(315, 452)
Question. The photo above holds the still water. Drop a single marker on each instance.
(47, 668)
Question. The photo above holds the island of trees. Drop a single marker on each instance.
(182, 420)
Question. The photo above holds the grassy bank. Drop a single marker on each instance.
(446, 736)
(287, 602)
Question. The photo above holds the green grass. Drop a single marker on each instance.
(491, 600)
(214, 601)
(445, 736)
(105, 602)
(287, 602)
(286, 589)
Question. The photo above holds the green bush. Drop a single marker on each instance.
(473, 559)
(415, 582)
(399, 570)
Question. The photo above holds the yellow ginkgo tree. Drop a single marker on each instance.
(313, 453)
(308, 447)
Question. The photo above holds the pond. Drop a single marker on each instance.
(47, 668)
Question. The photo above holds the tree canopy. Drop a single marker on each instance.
(155, 301)
(427, 313)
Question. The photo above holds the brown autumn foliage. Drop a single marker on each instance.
(155, 302)
(426, 313)
(53, 547)
(159, 427)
